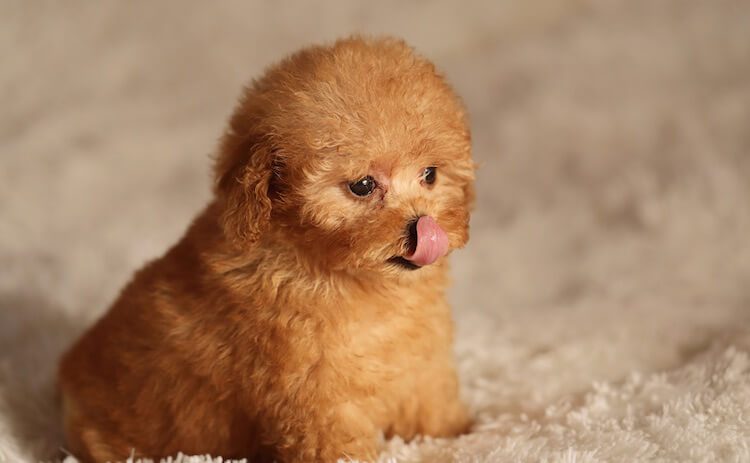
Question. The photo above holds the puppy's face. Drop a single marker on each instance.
(357, 155)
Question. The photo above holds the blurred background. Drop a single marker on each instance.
(612, 231)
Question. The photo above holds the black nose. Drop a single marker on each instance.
(411, 235)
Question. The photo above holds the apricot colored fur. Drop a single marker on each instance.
(276, 328)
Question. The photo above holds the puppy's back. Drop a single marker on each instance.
(143, 379)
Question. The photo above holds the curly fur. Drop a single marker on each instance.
(277, 328)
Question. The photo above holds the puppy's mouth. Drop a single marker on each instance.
(401, 261)
(425, 243)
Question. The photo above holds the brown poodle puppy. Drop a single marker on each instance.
(304, 311)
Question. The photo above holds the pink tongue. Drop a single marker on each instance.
(432, 242)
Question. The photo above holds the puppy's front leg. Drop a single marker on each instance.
(441, 412)
(326, 435)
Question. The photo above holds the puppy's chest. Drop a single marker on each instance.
(366, 336)
(388, 332)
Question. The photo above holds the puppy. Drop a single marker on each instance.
(304, 311)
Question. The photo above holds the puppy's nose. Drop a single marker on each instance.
(411, 236)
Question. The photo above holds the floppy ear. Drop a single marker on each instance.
(469, 168)
(470, 194)
(243, 177)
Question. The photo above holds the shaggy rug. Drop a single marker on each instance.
(603, 304)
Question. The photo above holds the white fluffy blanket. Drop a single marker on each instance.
(603, 304)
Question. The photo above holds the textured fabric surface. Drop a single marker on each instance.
(603, 304)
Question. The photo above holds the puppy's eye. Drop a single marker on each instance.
(363, 187)
(429, 174)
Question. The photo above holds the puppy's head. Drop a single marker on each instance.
(356, 155)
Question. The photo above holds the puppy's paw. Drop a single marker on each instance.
(445, 419)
